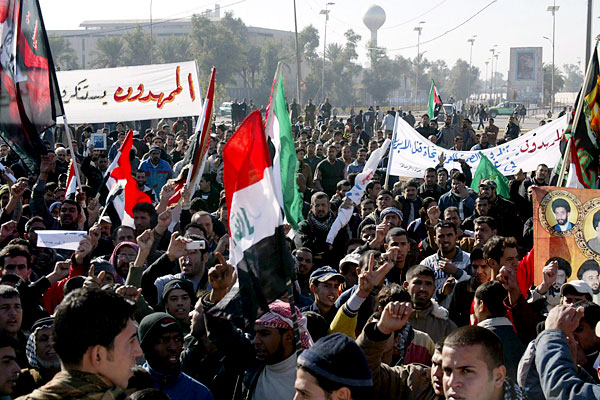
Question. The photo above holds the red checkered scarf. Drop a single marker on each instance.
(280, 316)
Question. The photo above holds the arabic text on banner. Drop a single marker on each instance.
(413, 153)
(567, 225)
(130, 93)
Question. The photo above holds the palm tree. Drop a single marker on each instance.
(173, 49)
(62, 53)
(109, 52)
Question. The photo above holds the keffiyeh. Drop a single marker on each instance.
(280, 316)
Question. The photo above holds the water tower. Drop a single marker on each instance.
(374, 19)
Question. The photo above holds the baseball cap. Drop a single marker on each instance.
(580, 287)
(351, 258)
(489, 183)
(324, 274)
(155, 148)
(156, 322)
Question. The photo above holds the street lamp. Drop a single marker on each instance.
(493, 50)
(553, 9)
(326, 13)
(418, 29)
(151, 36)
(471, 40)
(499, 92)
(486, 72)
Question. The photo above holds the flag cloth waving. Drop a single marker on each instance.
(71, 182)
(285, 160)
(486, 170)
(435, 102)
(121, 176)
(257, 242)
(29, 91)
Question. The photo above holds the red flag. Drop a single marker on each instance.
(197, 152)
(71, 182)
(121, 176)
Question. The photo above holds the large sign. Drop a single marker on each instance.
(567, 225)
(413, 153)
(525, 75)
(130, 93)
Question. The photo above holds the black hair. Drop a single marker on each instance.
(476, 335)
(318, 196)
(14, 250)
(492, 294)
(141, 379)
(591, 312)
(485, 219)
(395, 232)
(32, 221)
(146, 208)
(87, 318)
(446, 224)
(476, 254)
(494, 247)
(8, 341)
(195, 225)
(8, 292)
(596, 219)
(363, 261)
(561, 203)
(390, 293)
(419, 269)
(149, 394)
(459, 176)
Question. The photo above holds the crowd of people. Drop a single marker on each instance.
(427, 292)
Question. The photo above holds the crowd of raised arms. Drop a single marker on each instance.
(426, 293)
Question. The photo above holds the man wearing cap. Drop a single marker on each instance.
(334, 368)
(157, 170)
(161, 339)
(177, 298)
(325, 284)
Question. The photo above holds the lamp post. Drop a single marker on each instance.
(326, 13)
(418, 29)
(471, 40)
(553, 9)
(493, 50)
(151, 36)
(486, 72)
(496, 57)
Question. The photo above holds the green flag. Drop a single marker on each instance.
(285, 162)
(435, 102)
(486, 170)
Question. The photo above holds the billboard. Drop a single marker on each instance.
(525, 76)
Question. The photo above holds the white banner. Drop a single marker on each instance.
(413, 153)
(130, 93)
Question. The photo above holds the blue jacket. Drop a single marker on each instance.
(467, 204)
(179, 387)
(558, 375)
(157, 175)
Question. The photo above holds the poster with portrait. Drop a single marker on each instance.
(525, 65)
(567, 225)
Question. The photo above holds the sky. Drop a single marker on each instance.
(501, 24)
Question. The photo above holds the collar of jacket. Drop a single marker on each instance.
(74, 384)
(434, 309)
(496, 321)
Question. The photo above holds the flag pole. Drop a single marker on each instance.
(73, 157)
(387, 172)
(588, 77)
(563, 167)
(290, 286)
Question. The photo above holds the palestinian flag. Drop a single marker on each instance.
(71, 182)
(435, 102)
(285, 160)
(585, 129)
(257, 242)
(120, 177)
(29, 91)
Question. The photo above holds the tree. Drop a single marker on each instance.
(573, 77)
(137, 47)
(308, 43)
(271, 53)
(220, 44)
(459, 79)
(342, 69)
(379, 80)
(108, 53)
(173, 49)
(559, 82)
(62, 53)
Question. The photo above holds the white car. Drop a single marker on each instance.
(225, 108)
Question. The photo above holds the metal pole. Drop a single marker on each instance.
(588, 34)
(472, 40)
(486, 71)
(298, 73)
(492, 77)
(151, 36)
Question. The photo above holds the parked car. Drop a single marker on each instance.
(447, 109)
(505, 108)
(225, 109)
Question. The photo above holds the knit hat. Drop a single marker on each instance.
(156, 322)
(337, 358)
(280, 316)
(178, 284)
(54, 205)
(100, 264)
(391, 210)
(4, 189)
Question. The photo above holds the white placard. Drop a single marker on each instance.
(130, 93)
(413, 153)
(55, 239)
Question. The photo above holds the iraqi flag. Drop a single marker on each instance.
(122, 184)
(435, 102)
(257, 241)
(71, 182)
(285, 160)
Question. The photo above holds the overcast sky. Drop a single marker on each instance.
(505, 23)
